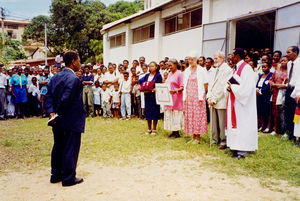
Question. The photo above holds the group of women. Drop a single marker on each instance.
(188, 93)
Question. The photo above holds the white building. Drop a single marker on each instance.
(172, 28)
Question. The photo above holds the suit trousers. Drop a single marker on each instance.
(218, 119)
(88, 100)
(290, 112)
(65, 153)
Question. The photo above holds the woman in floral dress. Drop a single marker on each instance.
(195, 119)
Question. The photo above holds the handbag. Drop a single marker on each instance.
(147, 86)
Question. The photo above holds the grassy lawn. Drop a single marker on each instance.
(27, 144)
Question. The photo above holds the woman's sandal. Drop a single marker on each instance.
(153, 132)
(148, 132)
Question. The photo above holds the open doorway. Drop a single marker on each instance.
(256, 32)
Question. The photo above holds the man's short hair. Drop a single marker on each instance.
(69, 57)
(126, 61)
(279, 52)
(295, 49)
(240, 52)
(125, 73)
(211, 59)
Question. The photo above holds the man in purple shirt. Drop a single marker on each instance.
(88, 96)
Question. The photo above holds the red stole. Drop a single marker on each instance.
(297, 115)
(232, 99)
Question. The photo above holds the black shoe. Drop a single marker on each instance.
(76, 181)
(177, 134)
(173, 135)
(55, 179)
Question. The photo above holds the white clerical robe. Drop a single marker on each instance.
(244, 137)
(295, 93)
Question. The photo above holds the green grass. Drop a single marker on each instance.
(27, 144)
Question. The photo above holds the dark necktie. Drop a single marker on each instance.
(291, 72)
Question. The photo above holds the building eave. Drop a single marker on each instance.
(131, 17)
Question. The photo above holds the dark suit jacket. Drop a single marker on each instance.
(64, 97)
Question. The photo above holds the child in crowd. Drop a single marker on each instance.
(165, 76)
(142, 75)
(97, 99)
(34, 98)
(125, 89)
(116, 101)
(79, 74)
(106, 101)
(137, 96)
(104, 70)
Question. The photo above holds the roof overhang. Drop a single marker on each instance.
(131, 17)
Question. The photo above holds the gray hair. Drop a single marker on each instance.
(193, 54)
(220, 54)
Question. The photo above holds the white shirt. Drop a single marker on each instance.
(116, 96)
(105, 95)
(58, 59)
(3, 81)
(125, 86)
(96, 90)
(34, 90)
(209, 74)
(296, 71)
(100, 79)
(139, 70)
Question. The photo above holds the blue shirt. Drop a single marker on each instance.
(17, 80)
(44, 88)
(87, 77)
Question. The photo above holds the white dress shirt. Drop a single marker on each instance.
(3, 81)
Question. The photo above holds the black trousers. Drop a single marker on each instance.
(65, 153)
(290, 113)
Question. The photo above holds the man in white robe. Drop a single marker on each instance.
(296, 96)
(241, 123)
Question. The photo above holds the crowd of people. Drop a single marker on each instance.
(203, 90)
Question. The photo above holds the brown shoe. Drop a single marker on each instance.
(222, 147)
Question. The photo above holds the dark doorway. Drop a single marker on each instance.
(256, 32)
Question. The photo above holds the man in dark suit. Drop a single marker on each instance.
(64, 98)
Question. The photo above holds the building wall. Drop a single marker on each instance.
(180, 44)
(221, 10)
(17, 32)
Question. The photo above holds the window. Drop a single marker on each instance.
(196, 17)
(170, 25)
(117, 40)
(11, 26)
(143, 33)
(183, 21)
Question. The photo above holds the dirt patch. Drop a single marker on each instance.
(155, 180)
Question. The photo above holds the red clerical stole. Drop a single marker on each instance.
(232, 99)
(297, 115)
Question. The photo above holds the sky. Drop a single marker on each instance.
(27, 9)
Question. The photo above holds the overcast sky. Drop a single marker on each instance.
(27, 9)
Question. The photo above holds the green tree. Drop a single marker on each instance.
(76, 24)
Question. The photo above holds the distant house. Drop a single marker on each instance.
(173, 28)
(15, 28)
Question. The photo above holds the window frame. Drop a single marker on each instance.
(176, 21)
(140, 29)
(114, 37)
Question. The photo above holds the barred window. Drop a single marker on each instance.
(117, 40)
(143, 33)
(183, 21)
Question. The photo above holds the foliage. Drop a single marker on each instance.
(11, 50)
(76, 25)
